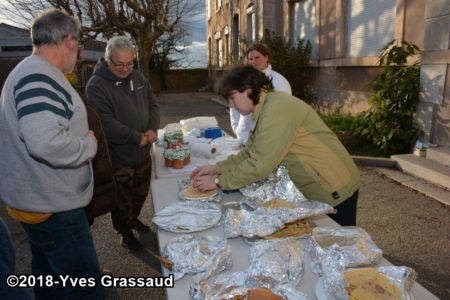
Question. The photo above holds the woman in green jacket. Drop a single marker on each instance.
(287, 132)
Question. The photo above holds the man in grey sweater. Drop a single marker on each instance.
(45, 159)
(130, 115)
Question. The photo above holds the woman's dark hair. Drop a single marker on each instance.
(261, 48)
(242, 78)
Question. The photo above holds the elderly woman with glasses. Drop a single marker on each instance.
(130, 115)
(287, 132)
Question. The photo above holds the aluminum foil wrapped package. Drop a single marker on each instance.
(276, 185)
(280, 260)
(388, 282)
(278, 195)
(265, 221)
(403, 277)
(222, 286)
(332, 285)
(188, 216)
(227, 286)
(355, 243)
(250, 223)
(212, 196)
(191, 254)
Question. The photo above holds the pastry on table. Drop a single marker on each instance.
(166, 262)
(296, 229)
(192, 193)
(258, 294)
(370, 284)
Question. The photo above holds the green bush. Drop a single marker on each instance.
(292, 63)
(345, 126)
(389, 121)
(339, 122)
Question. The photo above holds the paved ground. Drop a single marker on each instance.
(412, 229)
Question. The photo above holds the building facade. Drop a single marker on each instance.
(15, 45)
(346, 37)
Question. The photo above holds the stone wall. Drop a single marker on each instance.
(433, 115)
(188, 80)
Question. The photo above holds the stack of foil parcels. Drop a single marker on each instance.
(188, 216)
(264, 221)
(198, 254)
(277, 265)
(355, 243)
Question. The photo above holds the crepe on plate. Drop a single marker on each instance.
(192, 193)
(369, 284)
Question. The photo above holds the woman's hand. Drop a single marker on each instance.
(205, 170)
(204, 183)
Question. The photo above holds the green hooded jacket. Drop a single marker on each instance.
(289, 132)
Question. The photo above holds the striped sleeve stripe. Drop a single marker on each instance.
(42, 92)
(39, 107)
(43, 78)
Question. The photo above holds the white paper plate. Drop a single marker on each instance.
(189, 216)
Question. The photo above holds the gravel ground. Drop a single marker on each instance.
(412, 229)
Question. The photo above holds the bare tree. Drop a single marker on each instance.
(143, 20)
(166, 46)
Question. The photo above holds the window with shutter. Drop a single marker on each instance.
(370, 26)
(304, 22)
(208, 9)
(251, 23)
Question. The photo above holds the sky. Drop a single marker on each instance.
(195, 55)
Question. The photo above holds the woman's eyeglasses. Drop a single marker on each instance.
(121, 65)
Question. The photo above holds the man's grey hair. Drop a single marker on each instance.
(52, 26)
(119, 42)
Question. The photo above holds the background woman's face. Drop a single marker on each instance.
(258, 60)
(241, 102)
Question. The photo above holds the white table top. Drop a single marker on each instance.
(165, 192)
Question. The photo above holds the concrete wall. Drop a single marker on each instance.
(338, 78)
(177, 80)
(188, 80)
(433, 115)
(343, 89)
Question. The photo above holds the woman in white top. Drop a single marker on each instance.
(258, 56)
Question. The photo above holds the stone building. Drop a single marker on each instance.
(346, 36)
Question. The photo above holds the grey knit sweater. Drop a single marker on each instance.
(45, 153)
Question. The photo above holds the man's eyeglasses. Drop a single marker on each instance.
(122, 65)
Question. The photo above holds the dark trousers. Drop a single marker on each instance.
(62, 245)
(133, 185)
(346, 211)
(7, 265)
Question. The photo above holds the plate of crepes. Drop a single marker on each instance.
(191, 193)
(365, 284)
(258, 294)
